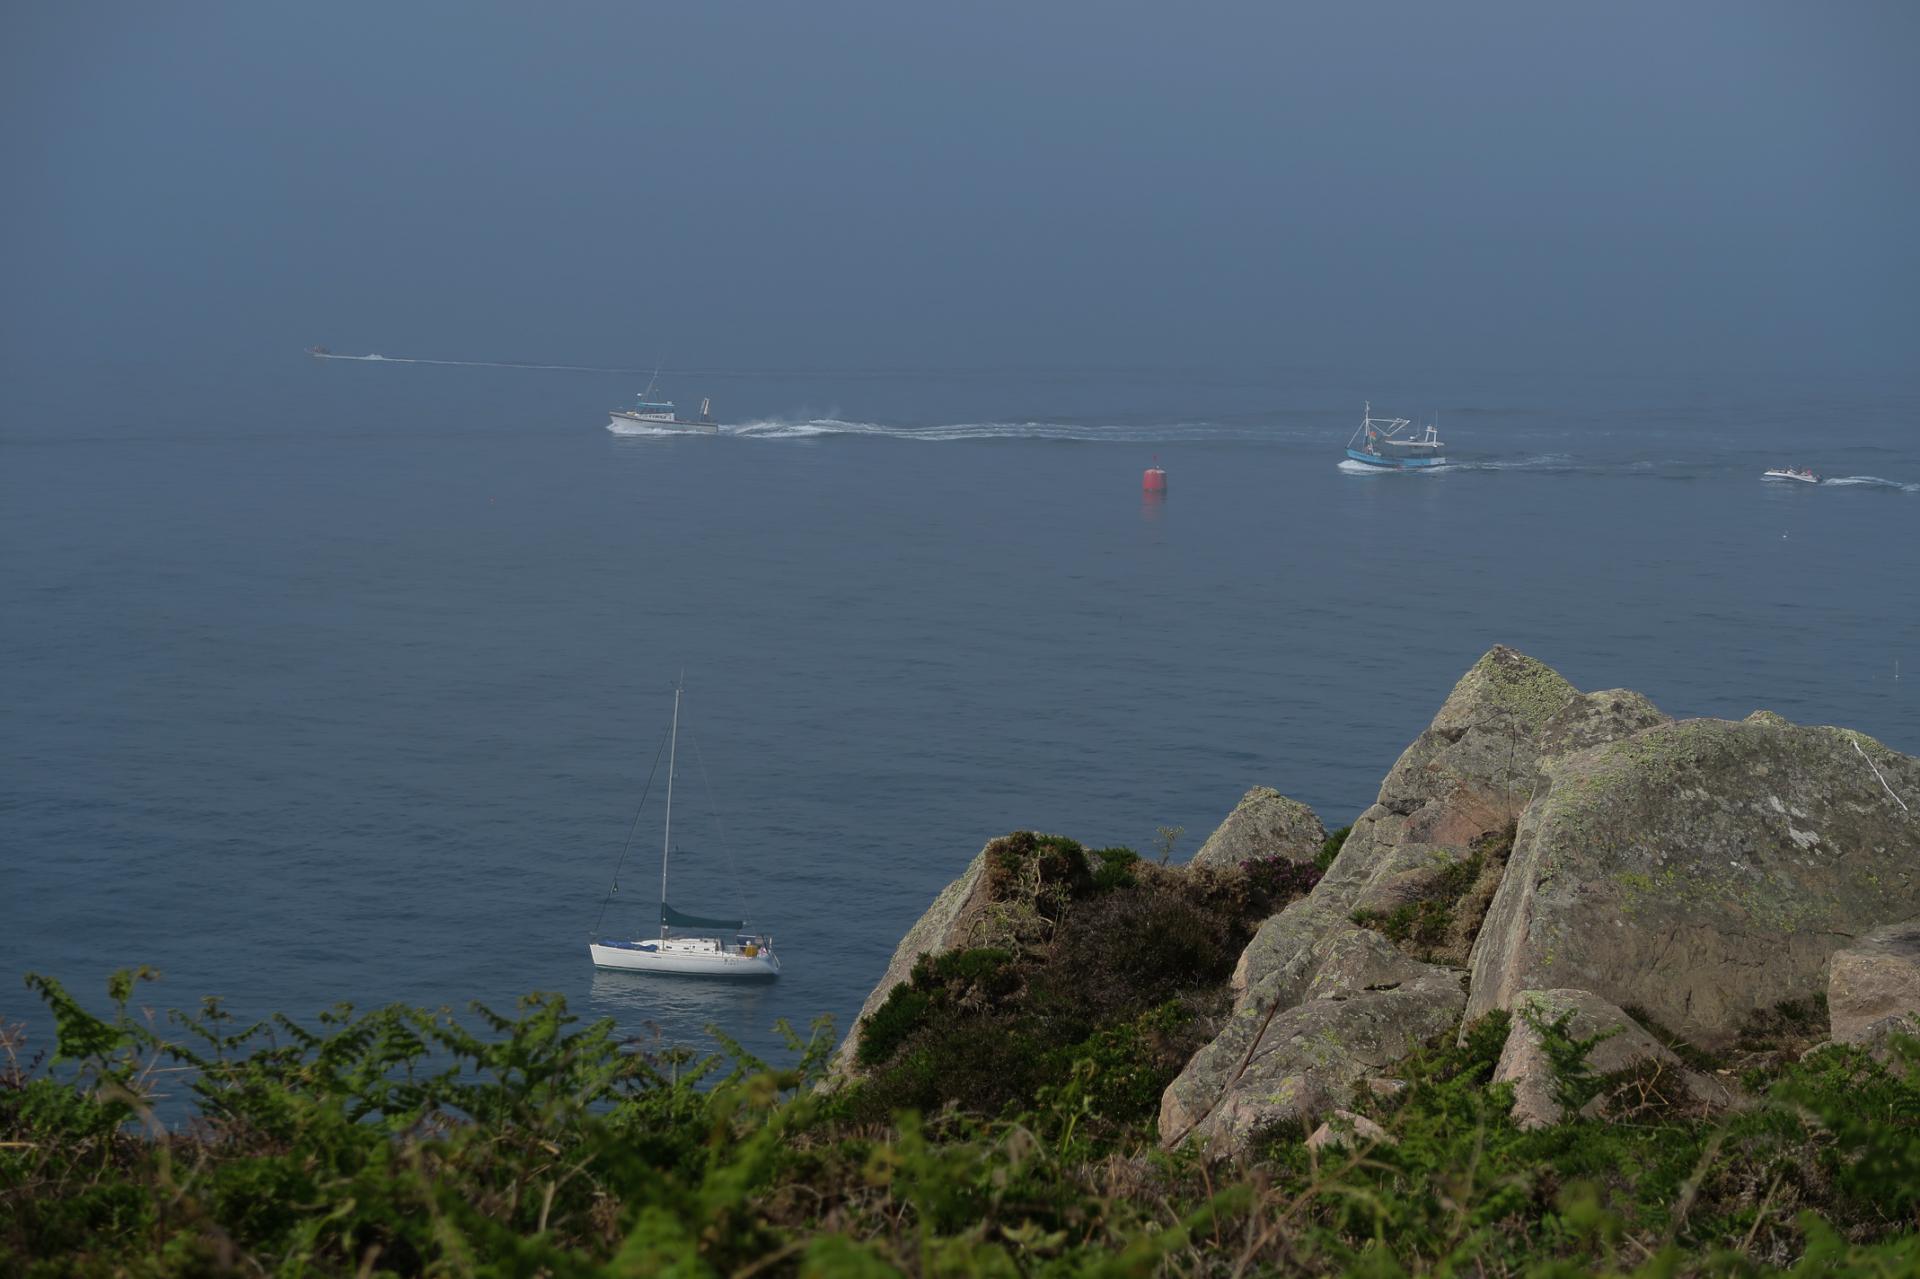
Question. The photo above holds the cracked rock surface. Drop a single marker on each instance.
(1704, 870)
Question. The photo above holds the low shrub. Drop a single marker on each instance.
(1114, 868)
(937, 985)
(1280, 879)
(1330, 847)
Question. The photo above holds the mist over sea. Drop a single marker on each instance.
(341, 681)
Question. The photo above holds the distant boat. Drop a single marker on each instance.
(318, 352)
(1791, 473)
(721, 949)
(1387, 443)
(658, 415)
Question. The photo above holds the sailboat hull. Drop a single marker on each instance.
(684, 958)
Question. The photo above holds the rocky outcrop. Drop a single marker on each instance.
(1622, 1044)
(1264, 823)
(1465, 778)
(1536, 849)
(1873, 986)
(1365, 1007)
(1469, 774)
(1704, 870)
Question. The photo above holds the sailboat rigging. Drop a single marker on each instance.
(719, 948)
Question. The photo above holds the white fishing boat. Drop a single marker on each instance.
(716, 947)
(650, 414)
(1796, 474)
(1390, 444)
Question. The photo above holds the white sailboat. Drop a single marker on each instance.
(717, 948)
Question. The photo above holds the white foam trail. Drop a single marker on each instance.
(948, 432)
(1871, 481)
(1543, 462)
(478, 364)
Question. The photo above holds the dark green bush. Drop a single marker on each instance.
(1115, 868)
(1330, 847)
(937, 984)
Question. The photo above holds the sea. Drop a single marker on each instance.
(344, 681)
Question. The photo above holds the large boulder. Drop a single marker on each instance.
(1873, 986)
(1622, 1044)
(1264, 823)
(1468, 775)
(1465, 778)
(1365, 1008)
(1704, 870)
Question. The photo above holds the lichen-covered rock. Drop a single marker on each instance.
(1469, 774)
(1264, 823)
(1594, 719)
(1466, 777)
(1873, 986)
(1704, 870)
(1348, 1129)
(1426, 865)
(1623, 1044)
(945, 926)
(1355, 961)
(1291, 1065)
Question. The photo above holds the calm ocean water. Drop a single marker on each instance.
(332, 681)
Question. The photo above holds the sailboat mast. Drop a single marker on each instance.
(666, 843)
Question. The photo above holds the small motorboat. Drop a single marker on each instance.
(1796, 474)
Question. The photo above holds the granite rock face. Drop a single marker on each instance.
(1873, 986)
(1468, 775)
(1264, 823)
(1704, 870)
(1624, 1043)
(1366, 1007)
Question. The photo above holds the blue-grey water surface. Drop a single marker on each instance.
(340, 681)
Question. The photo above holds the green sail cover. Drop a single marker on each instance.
(676, 919)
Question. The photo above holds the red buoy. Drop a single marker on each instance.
(1155, 480)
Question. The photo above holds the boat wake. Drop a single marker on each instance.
(474, 364)
(1542, 462)
(1869, 481)
(1071, 432)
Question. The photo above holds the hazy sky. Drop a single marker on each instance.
(899, 184)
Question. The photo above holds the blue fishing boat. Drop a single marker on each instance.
(1391, 444)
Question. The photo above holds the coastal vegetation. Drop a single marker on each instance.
(402, 1142)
